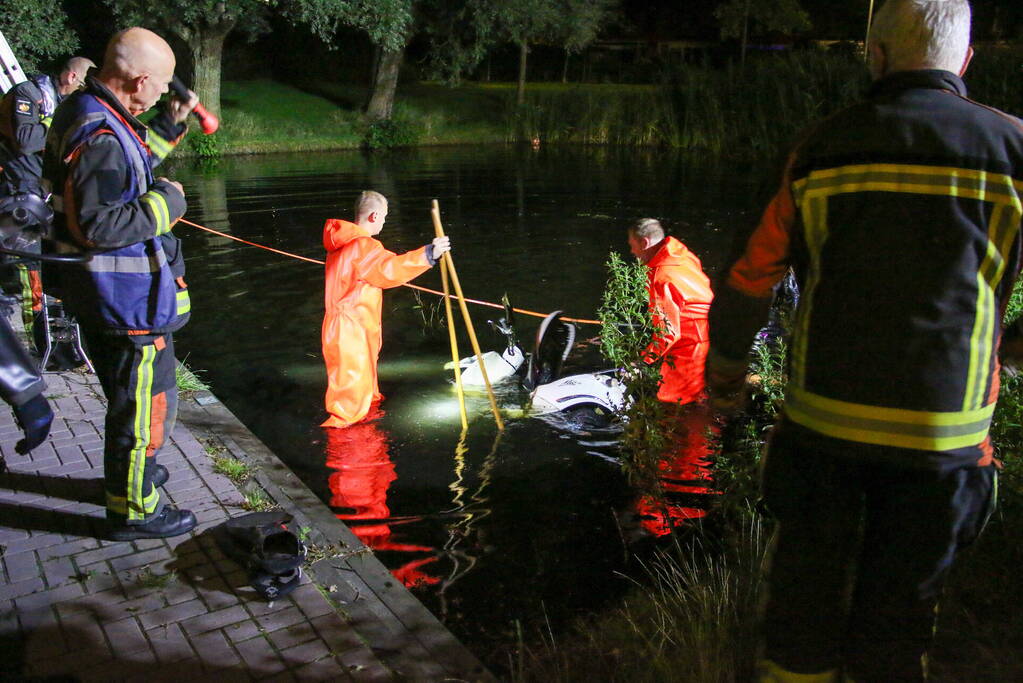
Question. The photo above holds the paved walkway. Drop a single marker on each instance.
(75, 607)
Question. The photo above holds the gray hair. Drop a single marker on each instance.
(647, 227)
(923, 34)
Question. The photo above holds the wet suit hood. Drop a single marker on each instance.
(671, 253)
(338, 233)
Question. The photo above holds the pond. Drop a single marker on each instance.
(524, 527)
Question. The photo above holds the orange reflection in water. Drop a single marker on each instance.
(363, 472)
(684, 475)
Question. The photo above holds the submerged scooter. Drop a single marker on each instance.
(499, 366)
(591, 399)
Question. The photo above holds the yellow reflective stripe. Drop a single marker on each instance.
(916, 179)
(815, 227)
(143, 419)
(47, 121)
(184, 302)
(27, 314)
(769, 672)
(158, 207)
(160, 147)
(119, 504)
(918, 429)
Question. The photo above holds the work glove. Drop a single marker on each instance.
(34, 417)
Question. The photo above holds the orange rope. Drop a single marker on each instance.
(410, 286)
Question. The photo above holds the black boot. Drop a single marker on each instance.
(170, 521)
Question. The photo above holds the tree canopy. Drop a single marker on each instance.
(37, 31)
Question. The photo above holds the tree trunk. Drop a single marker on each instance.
(385, 83)
(564, 68)
(520, 94)
(207, 48)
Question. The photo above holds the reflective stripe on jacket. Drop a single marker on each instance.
(99, 161)
(901, 216)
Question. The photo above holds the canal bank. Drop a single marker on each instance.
(73, 605)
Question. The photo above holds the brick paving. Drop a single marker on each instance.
(73, 605)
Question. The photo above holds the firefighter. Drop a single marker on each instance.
(25, 114)
(358, 268)
(130, 297)
(680, 297)
(901, 216)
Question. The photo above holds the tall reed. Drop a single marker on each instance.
(748, 111)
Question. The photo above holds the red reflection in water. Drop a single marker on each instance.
(684, 472)
(363, 474)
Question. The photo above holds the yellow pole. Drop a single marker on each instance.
(439, 231)
(866, 39)
(468, 320)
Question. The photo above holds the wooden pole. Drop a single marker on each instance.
(435, 211)
(439, 231)
(866, 38)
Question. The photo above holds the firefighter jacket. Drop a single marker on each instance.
(25, 114)
(901, 216)
(680, 297)
(99, 162)
(358, 268)
(20, 380)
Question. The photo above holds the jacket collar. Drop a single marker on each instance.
(935, 79)
(100, 91)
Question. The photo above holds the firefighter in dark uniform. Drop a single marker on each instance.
(130, 296)
(25, 114)
(901, 216)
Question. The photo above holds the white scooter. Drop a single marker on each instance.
(499, 366)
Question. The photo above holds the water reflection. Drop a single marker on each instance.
(487, 532)
(685, 482)
(363, 472)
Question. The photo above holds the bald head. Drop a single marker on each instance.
(137, 67)
(72, 76)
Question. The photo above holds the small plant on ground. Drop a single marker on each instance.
(232, 468)
(257, 501)
(147, 578)
(387, 133)
(205, 146)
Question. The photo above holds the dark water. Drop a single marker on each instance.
(530, 525)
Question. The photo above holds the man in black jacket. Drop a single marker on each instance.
(901, 217)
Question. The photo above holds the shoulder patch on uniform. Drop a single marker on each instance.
(22, 106)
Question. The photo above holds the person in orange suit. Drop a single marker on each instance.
(358, 269)
(680, 297)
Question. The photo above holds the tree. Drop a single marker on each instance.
(389, 25)
(740, 17)
(527, 22)
(37, 30)
(580, 25)
(203, 25)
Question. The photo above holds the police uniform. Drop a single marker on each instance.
(130, 297)
(901, 216)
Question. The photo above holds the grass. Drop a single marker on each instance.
(257, 501)
(232, 468)
(188, 380)
(147, 578)
(748, 112)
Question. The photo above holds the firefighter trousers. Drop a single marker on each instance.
(138, 378)
(860, 554)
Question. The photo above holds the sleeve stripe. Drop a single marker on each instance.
(158, 207)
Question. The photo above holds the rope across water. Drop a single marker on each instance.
(581, 321)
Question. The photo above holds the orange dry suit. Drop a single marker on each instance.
(358, 267)
(680, 298)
